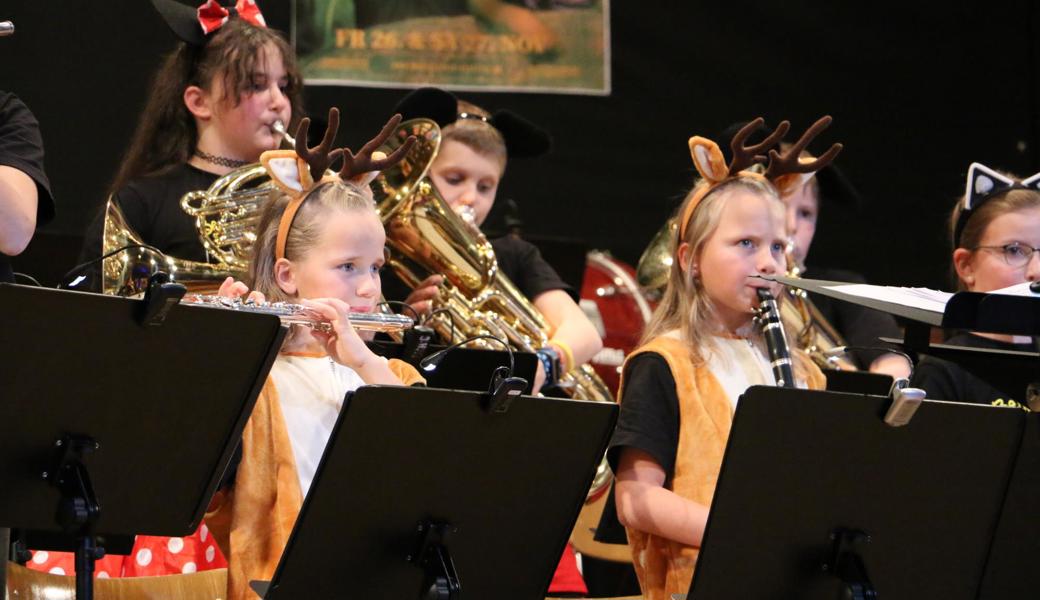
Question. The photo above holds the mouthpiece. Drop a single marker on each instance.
(468, 215)
(279, 128)
(6, 28)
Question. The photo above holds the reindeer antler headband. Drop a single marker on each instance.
(983, 185)
(785, 171)
(299, 172)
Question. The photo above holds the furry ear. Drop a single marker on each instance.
(983, 181)
(288, 171)
(791, 182)
(708, 158)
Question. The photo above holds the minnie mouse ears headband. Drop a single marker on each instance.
(297, 172)
(785, 171)
(194, 25)
(523, 138)
(985, 184)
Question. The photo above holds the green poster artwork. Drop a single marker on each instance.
(560, 46)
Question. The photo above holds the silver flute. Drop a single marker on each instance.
(298, 314)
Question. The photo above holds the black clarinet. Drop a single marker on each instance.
(768, 318)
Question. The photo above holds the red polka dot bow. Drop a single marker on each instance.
(213, 16)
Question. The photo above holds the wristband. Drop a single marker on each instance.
(567, 360)
(550, 360)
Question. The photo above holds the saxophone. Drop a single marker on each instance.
(426, 236)
(813, 333)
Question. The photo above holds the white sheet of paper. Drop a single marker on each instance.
(1019, 289)
(922, 298)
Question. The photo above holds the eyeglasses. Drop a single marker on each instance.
(1015, 255)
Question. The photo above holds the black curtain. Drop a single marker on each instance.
(916, 94)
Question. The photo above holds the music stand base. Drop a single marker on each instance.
(441, 581)
(78, 507)
(847, 565)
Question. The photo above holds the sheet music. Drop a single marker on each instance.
(1019, 289)
(916, 297)
(921, 298)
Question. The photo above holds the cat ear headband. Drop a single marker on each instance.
(194, 25)
(298, 172)
(985, 184)
(785, 171)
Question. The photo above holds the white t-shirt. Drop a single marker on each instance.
(311, 390)
(738, 364)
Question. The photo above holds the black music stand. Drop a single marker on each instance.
(126, 427)
(422, 488)
(819, 499)
(858, 382)
(464, 368)
(1012, 372)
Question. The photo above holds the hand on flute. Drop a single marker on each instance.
(232, 288)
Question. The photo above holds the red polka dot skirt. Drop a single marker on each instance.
(151, 555)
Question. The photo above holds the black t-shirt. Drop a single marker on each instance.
(945, 380)
(649, 415)
(523, 264)
(152, 207)
(21, 147)
(859, 325)
(648, 421)
(519, 260)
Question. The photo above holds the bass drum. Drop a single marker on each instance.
(619, 310)
(618, 307)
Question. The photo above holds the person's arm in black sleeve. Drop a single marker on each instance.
(649, 416)
(25, 198)
(644, 499)
(648, 421)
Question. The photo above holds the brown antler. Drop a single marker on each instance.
(789, 162)
(362, 162)
(745, 156)
(321, 156)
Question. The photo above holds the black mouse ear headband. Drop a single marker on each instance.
(983, 185)
(523, 138)
(195, 25)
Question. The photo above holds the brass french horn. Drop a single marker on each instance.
(126, 272)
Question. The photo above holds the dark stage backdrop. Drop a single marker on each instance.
(916, 96)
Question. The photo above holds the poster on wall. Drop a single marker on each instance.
(559, 46)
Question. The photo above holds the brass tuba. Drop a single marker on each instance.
(426, 236)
